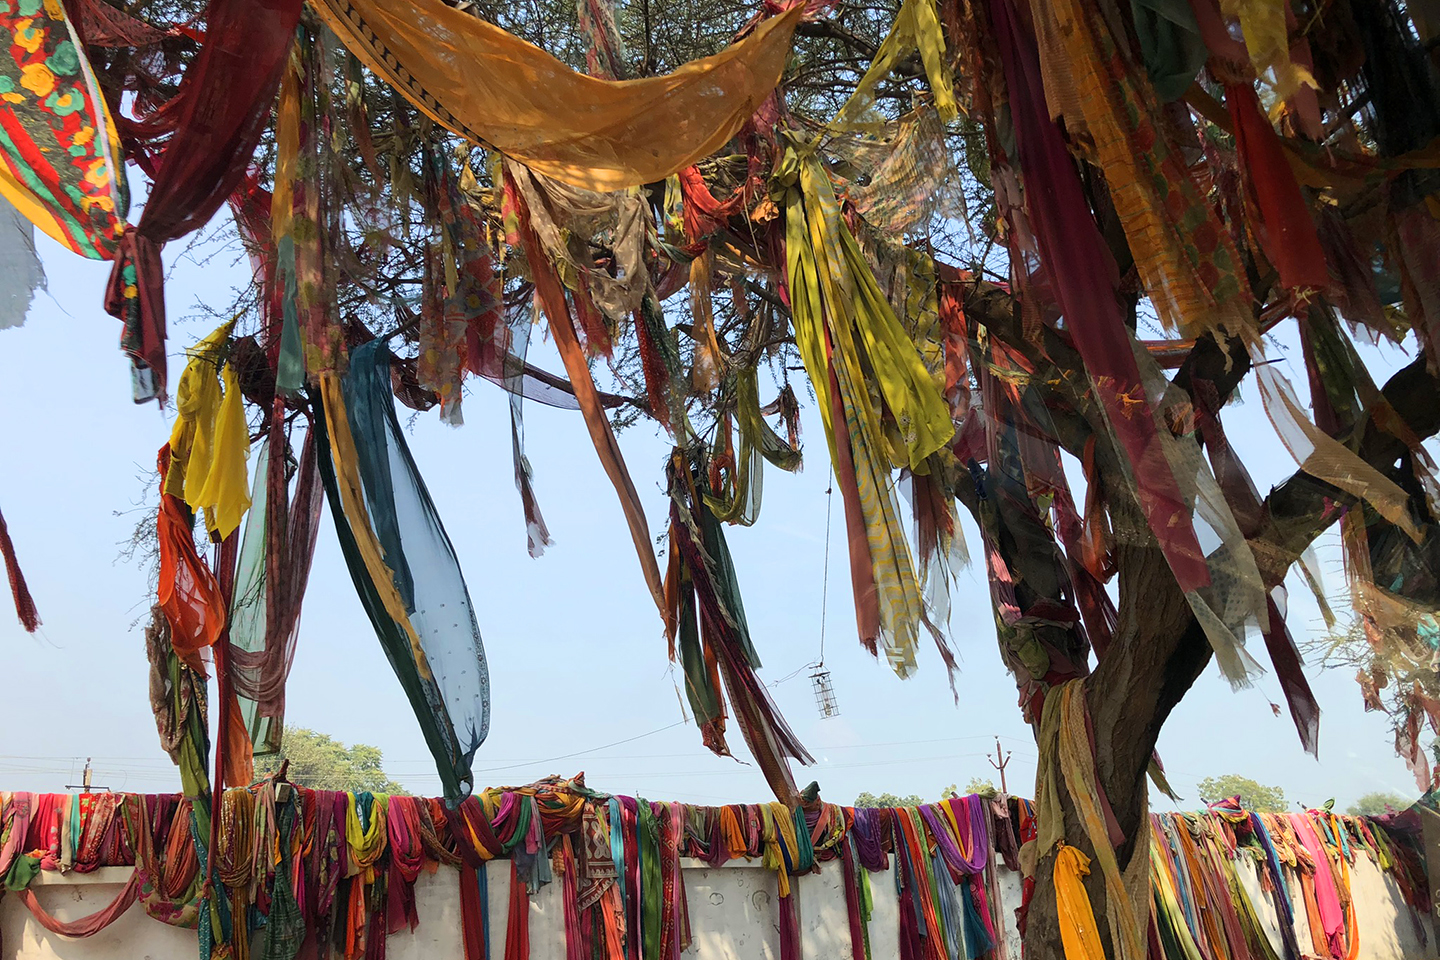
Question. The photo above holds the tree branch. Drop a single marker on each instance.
(1303, 507)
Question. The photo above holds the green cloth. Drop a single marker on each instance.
(21, 872)
(652, 884)
(1170, 45)
(422, 694)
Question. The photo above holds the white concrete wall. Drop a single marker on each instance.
(732, 917)
(1389, 929)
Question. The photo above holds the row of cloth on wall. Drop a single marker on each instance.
(316, 873)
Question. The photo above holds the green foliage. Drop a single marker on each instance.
(1253, 795)
(1377, 803)
(888, 800)
(981, 786)
(321, 762)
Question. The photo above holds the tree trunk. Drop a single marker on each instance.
(1158, 652)
(1159, 648)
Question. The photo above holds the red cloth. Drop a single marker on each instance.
(90, 925)
(1289, 236)
(517, 925)
(220, 112)
(24, 603)
(1083, 278)
(189, 595)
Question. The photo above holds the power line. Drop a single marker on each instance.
(581, 753)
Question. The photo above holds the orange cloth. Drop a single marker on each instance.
(1072, 903)
(494, 88)
(188, 593)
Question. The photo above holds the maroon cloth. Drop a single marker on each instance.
(24, 603)
(1289, 236)
(1083, 278)
(220, 112)
(1244, 502)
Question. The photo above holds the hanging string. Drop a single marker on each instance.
(825, 576)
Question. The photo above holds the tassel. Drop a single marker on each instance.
(24, 603)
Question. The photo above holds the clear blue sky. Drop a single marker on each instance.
(577, 657)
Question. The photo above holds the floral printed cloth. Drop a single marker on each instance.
(60, 158)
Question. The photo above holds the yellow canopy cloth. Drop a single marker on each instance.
(494, 88)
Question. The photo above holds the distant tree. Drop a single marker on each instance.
(979, 785)
(1378, 803)
(321, 762)
(1253, 795)
(888, 800)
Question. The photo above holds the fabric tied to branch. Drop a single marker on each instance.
(1190, 267)
(1176, 491)
(221, 109)
(21, 273)
(856, 353)
(269, 587)
(1066, 755)
(61, 164)
(916, 30)
(493, 88)
(210, 443)
(404, 565)
(705, 615)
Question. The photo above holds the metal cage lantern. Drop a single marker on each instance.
(824, 693)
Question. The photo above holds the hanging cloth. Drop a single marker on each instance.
(221, 109)
(550, 295)
(61, 164)
(404, 565)
(1289, 237)
(1175, 490)
(269, 586)
(19, 590)
(860, 362)
(495, 89)
(1190, 268)
(21, 273)
(916, 30)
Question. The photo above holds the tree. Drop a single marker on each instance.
(321, 762)
(982, 786)
(888, 800)
(1392, 658)
(1378, 803)
(1253, 795)
(1044, 389)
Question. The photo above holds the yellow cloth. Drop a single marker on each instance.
(777, 830)
(352, 502)
(916, 29)
(1268, 42)
(1190, 267)
(1065, 753)
(366, 845)
(1322, 456)
(833, 293)
(1072, 904)
(1164, 886)
(493, 88)
(210, 443)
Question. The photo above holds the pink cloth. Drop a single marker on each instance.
(1327, 896)
(19, 812)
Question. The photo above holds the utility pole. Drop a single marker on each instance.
(1000, 763)
(85, 780)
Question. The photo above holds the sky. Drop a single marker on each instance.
(579, 675)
